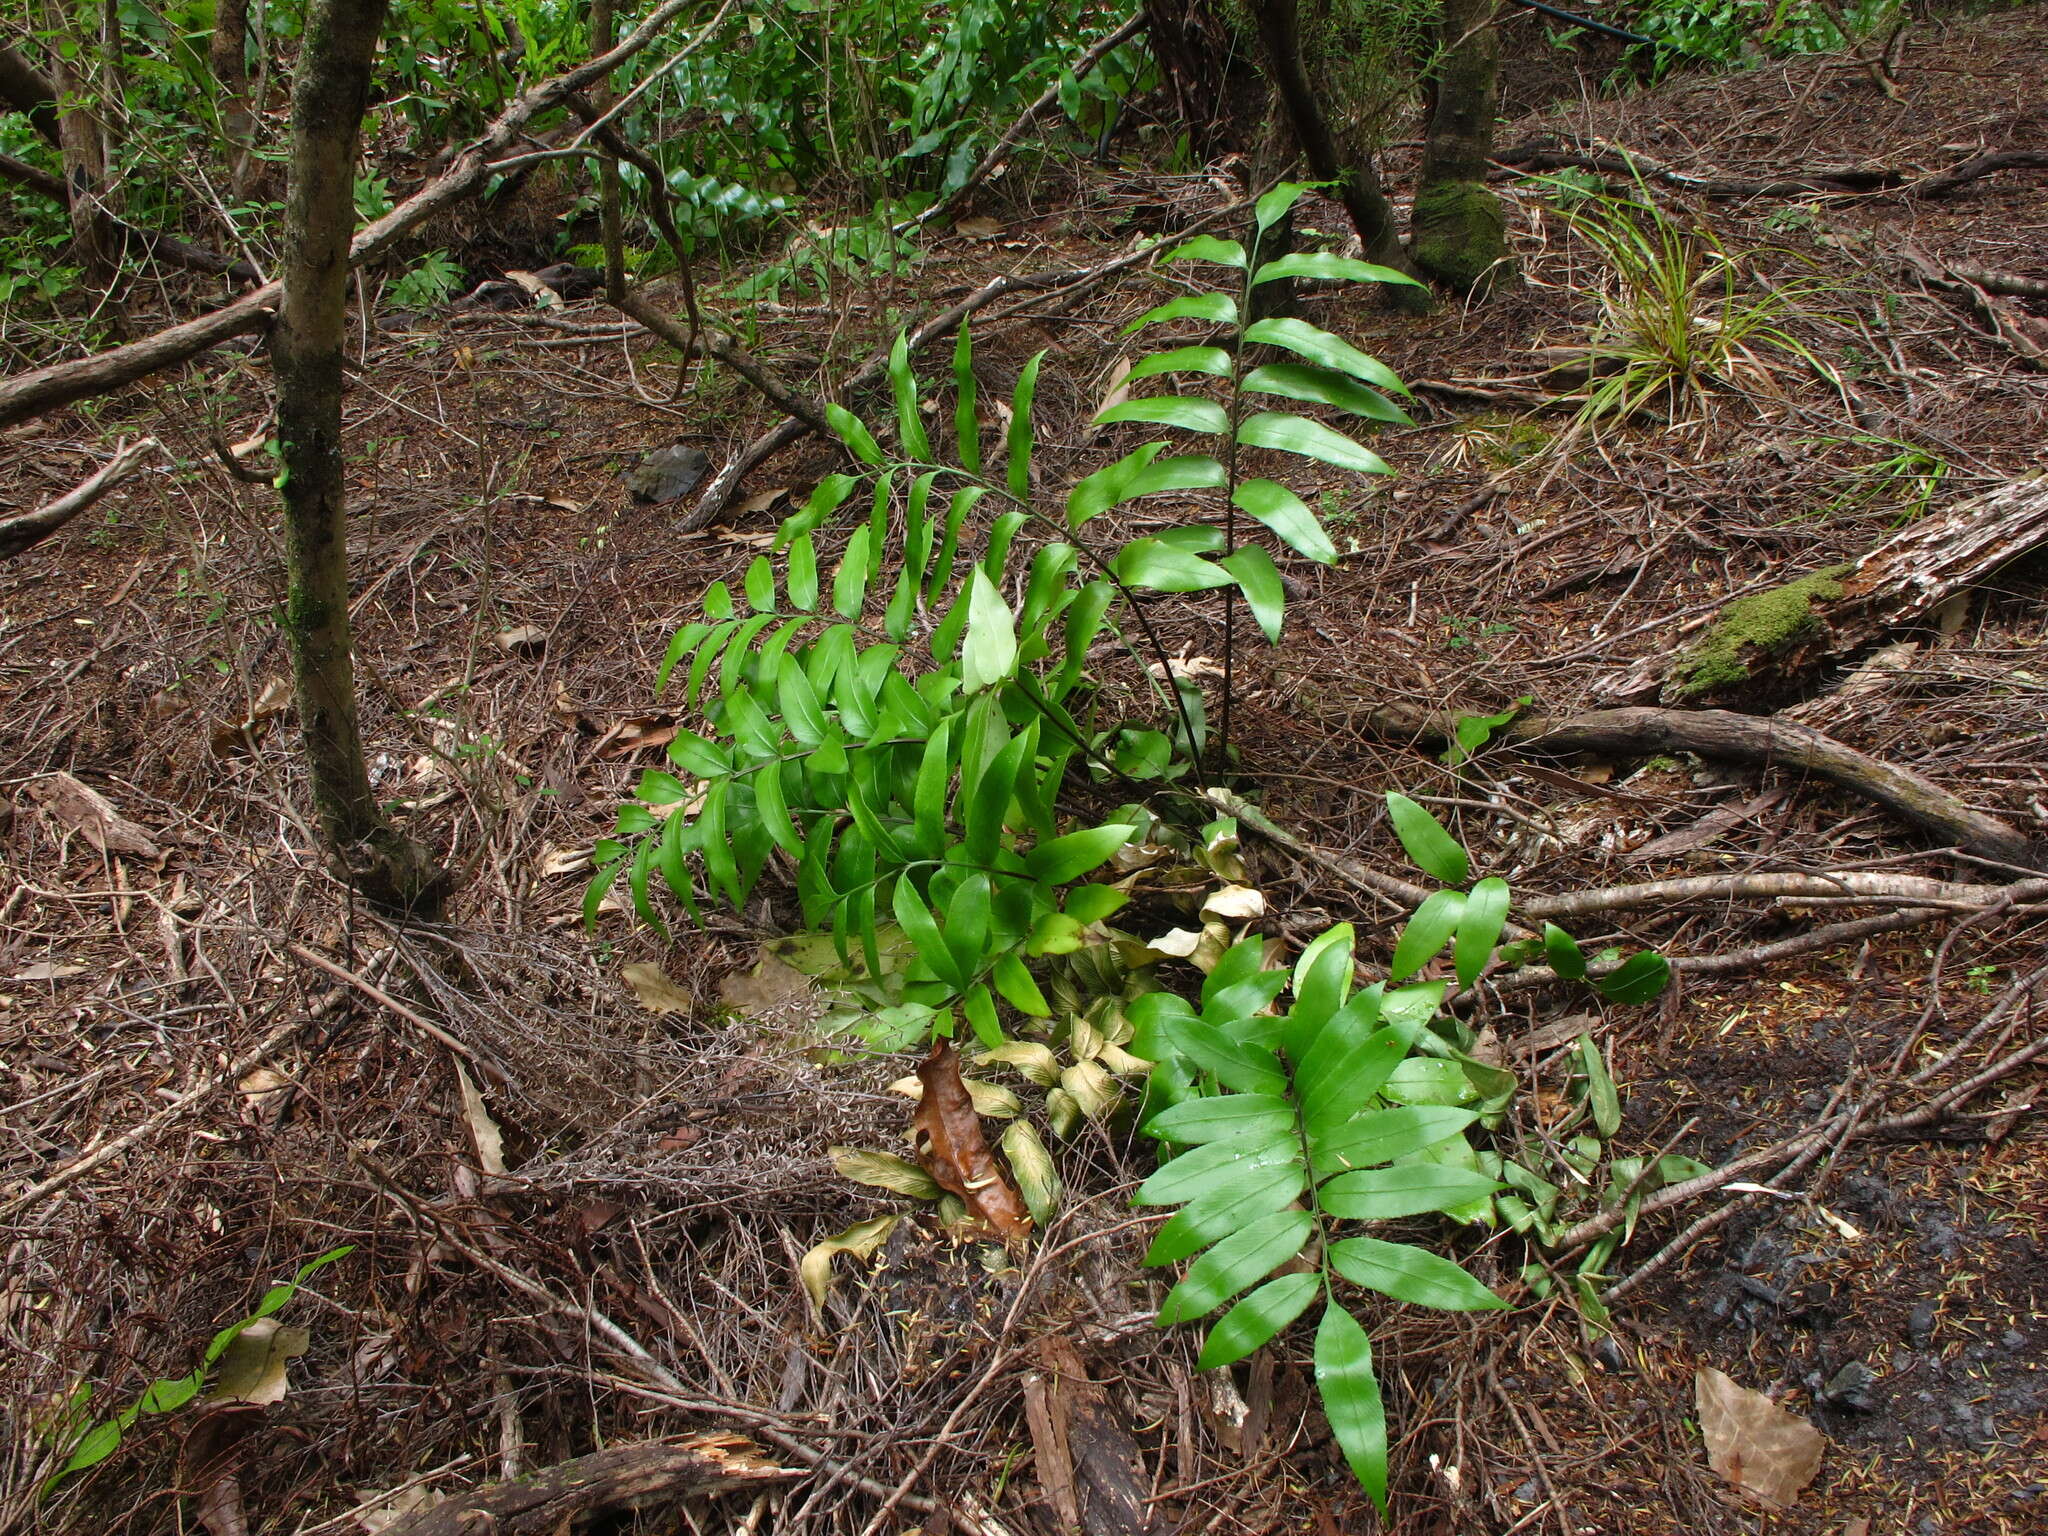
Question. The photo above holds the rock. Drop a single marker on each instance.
(1850, 1388)
(666, 474)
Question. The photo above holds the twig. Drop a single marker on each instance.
(385, 1000)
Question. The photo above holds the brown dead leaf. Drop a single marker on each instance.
(265, 1094)
(634, 733)
(253, 1368)
(232, 736)
(760, 501)
(655, 991)
(1753, 1442)
(947, 1133)
(523, 640)
(48, 970)
(92, 815)
(489, 1140)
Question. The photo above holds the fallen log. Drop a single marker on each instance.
(624, 1477)
(1770, 644)
(1752, 739)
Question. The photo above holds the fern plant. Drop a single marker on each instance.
(909, 766)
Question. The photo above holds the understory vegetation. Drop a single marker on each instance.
(828, 768)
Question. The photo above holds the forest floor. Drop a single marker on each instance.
(666, 1149)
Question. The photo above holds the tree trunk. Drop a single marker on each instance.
(227, 54)
(1355, 182)
(84, 150)
(306, 351)
(1460, 227)
(610, 222)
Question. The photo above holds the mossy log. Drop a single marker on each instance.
(1769, 645)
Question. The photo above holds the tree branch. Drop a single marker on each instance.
(31, 528)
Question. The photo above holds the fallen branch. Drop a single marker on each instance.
(1851, 887)
(227, 1077)
(31, 528)
(1852, 1124)
(27, 90)
(2023, 334)
(61, 384)
(1832, 181)
(1760, 740)
(622, 1477)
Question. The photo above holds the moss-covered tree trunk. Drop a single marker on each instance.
(1356, 183)
(1460, 228)
(328, 98)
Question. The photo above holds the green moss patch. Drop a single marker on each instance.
(1461, 236)
(1762, 624)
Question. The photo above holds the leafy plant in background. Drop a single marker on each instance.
(91, 1445)
(433, 280)
(1737, 31)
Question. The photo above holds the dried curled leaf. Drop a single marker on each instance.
(1031, 1058)
(947, 1133)
(1753, 1442)
(861, 1240)
(1235, 903)
(253, 1368)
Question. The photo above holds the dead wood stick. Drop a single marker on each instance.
(60, 384)
(31, 528)
(227, 1077)
(1835, 181)
(1763, 741)
(392, 1005)
(1046, 100)
(622, 1477)
(1931, 1112)
(708, 341)
(663, 1384)
(1848, 887)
